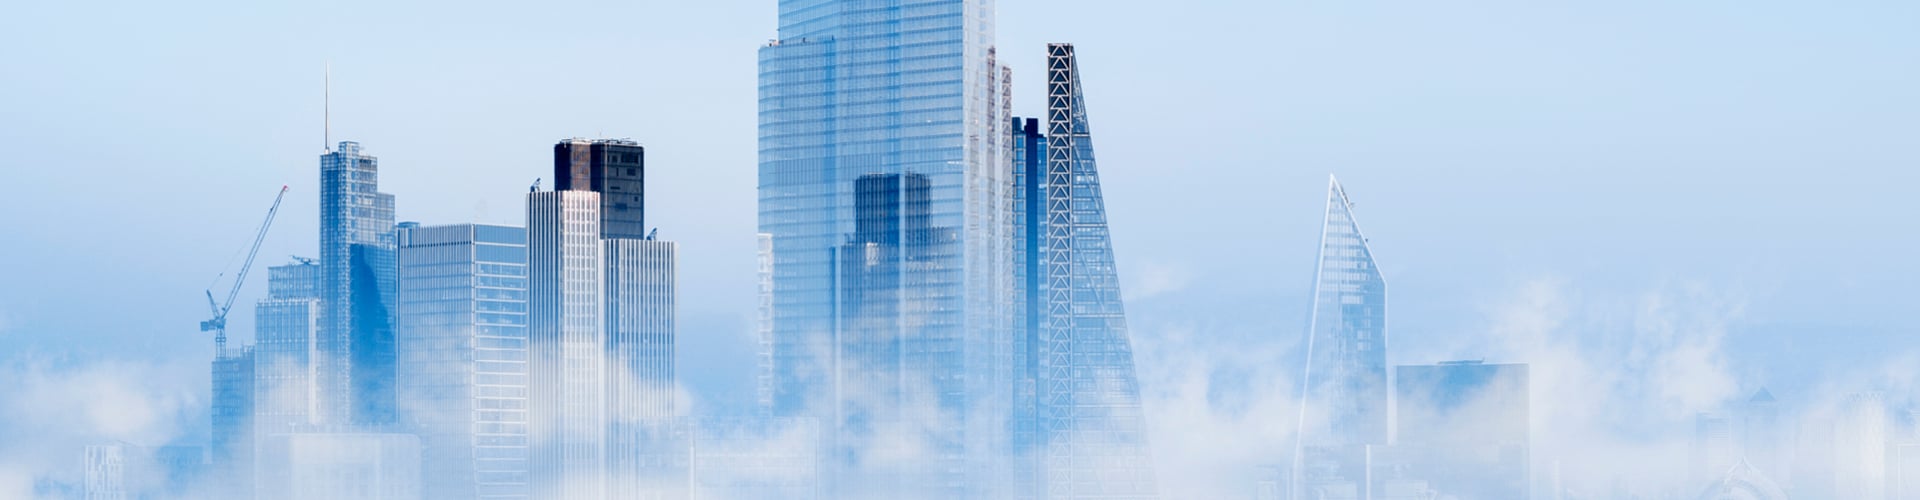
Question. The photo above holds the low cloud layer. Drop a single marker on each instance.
(53, 410)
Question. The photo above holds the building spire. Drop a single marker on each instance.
(326, 111)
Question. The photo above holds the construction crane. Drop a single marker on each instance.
(218, 325)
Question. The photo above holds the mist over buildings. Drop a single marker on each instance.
(942, 295)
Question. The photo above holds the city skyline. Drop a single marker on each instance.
(1549, 265)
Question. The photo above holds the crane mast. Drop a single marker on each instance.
(218, 324)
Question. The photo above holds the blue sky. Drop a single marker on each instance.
(1760, 154)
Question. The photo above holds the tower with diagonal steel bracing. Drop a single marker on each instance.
(1088, 432)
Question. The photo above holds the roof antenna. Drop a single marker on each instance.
(326, 113)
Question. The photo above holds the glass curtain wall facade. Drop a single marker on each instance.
(1079, 418)
(463, 352)
(1349, 329)
(567, 345)
(649, 451)
(615, 168)
(1343, 408)
(357, 290)
(232, 421)
(286, 347)
(763, 325)
(901, 88)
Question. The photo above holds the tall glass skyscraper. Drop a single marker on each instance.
(1343, 401)
(1087, 428)
(463, 357)
(616, 169)
(232, 421)
(1348, 365)
(907, 89)
(650, 449)
(567, 345)
(357, 282)
(286, 347)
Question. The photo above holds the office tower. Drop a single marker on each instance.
(1463, 426)
(763, 326)
(1713, 448)
(756, 459)
(889, 280)
(1860, 448)
(1343, 399)
(1027, 149)
(893, 87)
(1347, 364)
(648, 451)
(616, 169)
(286, 334)
(233, 425)
(567, 345)
(462, 345)
(357, 290)
(339, 466)
(105, 474)
(1077, 383)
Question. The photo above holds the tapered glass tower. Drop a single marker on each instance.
(1343, 407)
(907, 89)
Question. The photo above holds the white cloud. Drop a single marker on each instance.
(53, 411)
(1150, 279)
(1616, 380)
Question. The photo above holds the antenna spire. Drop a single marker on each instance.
(326, 112)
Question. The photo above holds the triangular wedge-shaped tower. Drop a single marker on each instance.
(1344, 388)
(1091, 428)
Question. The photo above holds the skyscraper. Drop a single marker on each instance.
(1088, 422)
(648, 449)
(1343, 400)
(233, 425)
(616, 169)
(890, 283)
(463, 351)
(1463, 427)
(105, 474)
(286, 349)
(1027, 152)
(357, 284)
(1348, 363)
(567, 345)
(893, 87)
(763, 325)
